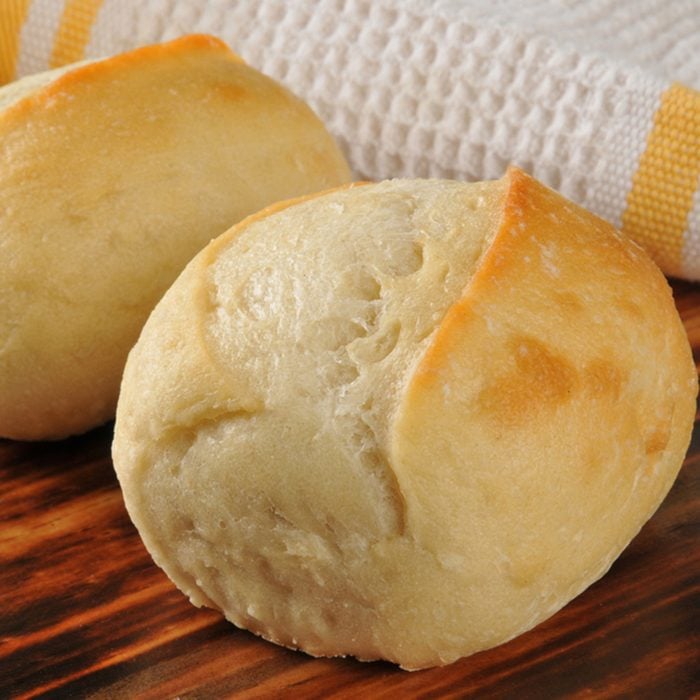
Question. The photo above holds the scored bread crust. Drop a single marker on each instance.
(408, 420)
(115, 173)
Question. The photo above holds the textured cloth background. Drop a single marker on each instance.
(597, 98)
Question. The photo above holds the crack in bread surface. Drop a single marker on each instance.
(317, 314)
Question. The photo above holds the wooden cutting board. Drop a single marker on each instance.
(85, 613)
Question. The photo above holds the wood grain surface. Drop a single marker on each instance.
(85, 613)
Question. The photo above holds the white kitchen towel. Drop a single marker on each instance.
(597, 98)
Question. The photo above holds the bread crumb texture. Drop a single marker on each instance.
(115, 173)
(406, 420)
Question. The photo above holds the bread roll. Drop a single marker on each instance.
(407, 420)
(114, 174)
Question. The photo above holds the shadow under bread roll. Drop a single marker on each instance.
(407, 420)
(114, 174)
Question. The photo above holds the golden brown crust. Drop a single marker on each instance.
(71, 78)
(559, 415)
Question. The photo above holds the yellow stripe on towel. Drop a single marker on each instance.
(12, 16)
(668, 175)
(74, 31)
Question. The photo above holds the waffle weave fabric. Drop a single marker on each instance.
(598, 99)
